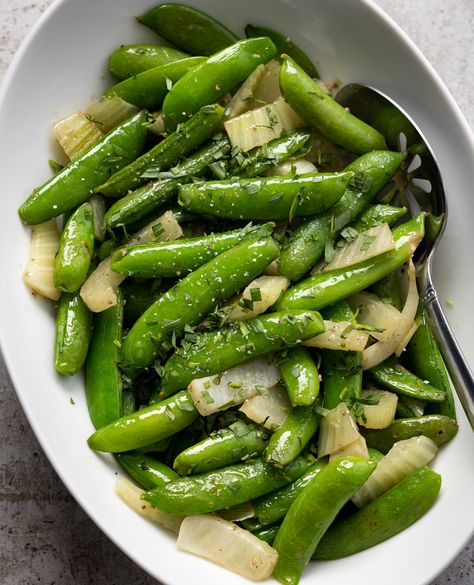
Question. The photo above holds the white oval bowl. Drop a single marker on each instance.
(58, 70)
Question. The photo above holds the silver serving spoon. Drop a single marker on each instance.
(419, 187)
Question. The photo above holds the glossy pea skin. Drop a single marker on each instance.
(313, 511)
(164, 154)
(324, 114)
(214, 78)
(137, 297)
(376, 214)
(107, 248)
(188, 28)
(300, 376)
(146, 426)
(76, 247)
(76, 182)
(192, 298)
(129, 60)
(73, 334)
(146, 471)
(235, 344)
(222, 488)
(265, 198)
(382, 518)
(306, 245)
(267, 533)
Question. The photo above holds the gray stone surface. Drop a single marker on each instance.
(44, 536)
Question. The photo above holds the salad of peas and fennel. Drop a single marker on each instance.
(243, 301)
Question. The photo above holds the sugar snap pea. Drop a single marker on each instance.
(107, 248)
(382, 518)
(188, 28)
(267, 533)
(211, 80)
(166, 153)
(237, 343)
(137, 297)
(300, 376)
(145, 470)
(76, 182)
(129, 60)
(76, 247)
(324, 114)
(389, 290)
(313, 511)
(265, 198)
(225, 487)
(376, 214)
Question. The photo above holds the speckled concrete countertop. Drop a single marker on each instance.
(44, 536)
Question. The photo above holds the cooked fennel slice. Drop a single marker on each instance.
(373, 242)
(268, 88)
(158, 124)
(131, 495)
(98, 211)
(238, 512)
(337, 430)
(39, 269)
(234, 386)
(341, 335)
(371, 311)
(380, 415)
(260, 294)
(357, 448)
(403, 458)
(163, 229)
(242, 100)
(108, 112)
(227, 545)
(76, 134)
(404, 342)
(269, 409)
(272, 269)
(300, 166)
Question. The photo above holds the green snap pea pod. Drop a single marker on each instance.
(225, 487)
(300, 376)
(73, 334)
(389, 290)
(76, 247)
(306, 245)
(129, 402)
(145, 470)
(138, 296)
(326, 288)
(267, 533)
(148, 89)
(166, 153)
(107, 248)
(188, 28)
(265, 198)
(393, 376)
(324, 114)
(129, 60)
(409, 407)
(284, 45)
(273, 506)
(426, 361)
(180, 257)
(288, 441)
(192, 298)
(236, 443)
(313, 512)
(236, 344)
(156, 447)
(103, 378)
(151, 196)
(382, 518)
(214, 78)
(76, 182)
(146, 426)
(377, 214)
(437, 427)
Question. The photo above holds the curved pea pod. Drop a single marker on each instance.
(146, 471)
(267, 533)
(76, 182)
(138, 296)
(149, 88)
(376, 214)
(236, 344)
(76, 247)
(324, 114)
(425, 359)
(225, 487)
(103, 378)
(306, 245)
(188, 28)
(382, 518)
(107, 248)
(393, 376)
(146, 426)
(284, 45)
(313, 512)
(129, 60)
(265, 198)
(236, 443)
(165, 154)
(214, 78)
(73, 334)
(326, 288)
(196, 295)
(300, 376)
(437, 427)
